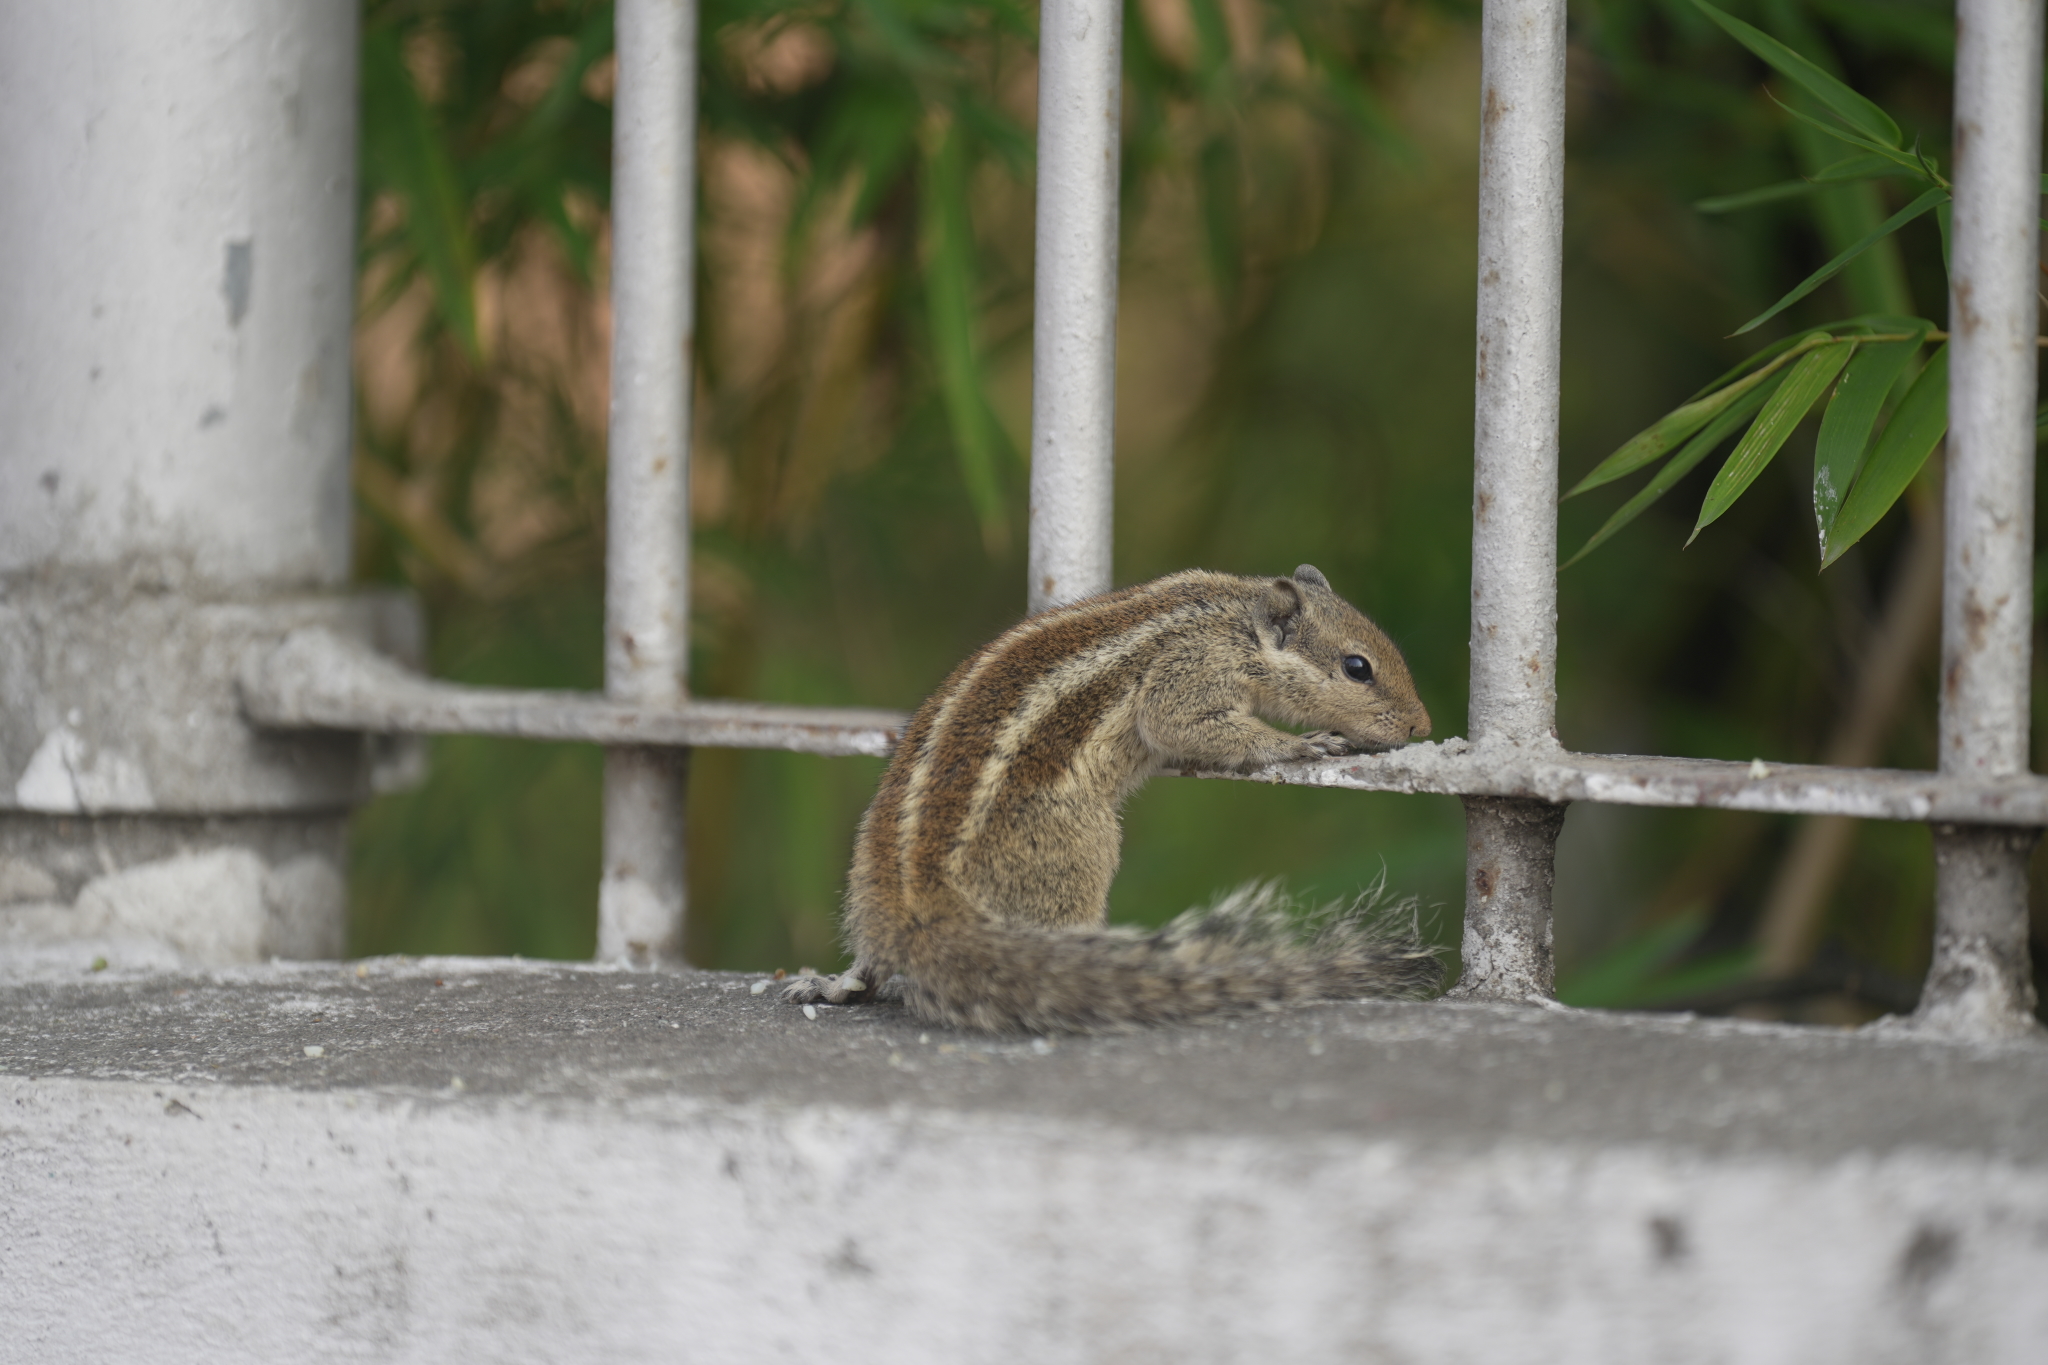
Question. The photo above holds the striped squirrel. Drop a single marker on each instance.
(982, 867)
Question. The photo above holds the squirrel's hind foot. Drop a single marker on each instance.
(861, 984)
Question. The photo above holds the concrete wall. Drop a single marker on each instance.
(505, 1162)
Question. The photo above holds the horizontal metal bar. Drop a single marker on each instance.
(1457, 767)
(317, 679)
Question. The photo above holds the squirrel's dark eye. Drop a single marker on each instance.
(1357, 669)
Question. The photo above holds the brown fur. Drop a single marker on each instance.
(982, 868)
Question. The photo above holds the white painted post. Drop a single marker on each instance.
(1511, 844)
(1073, 350)
(647, 565)
(177, 211)
(1980, 983)
(176, 289)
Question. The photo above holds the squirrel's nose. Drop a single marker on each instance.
(1420, 729)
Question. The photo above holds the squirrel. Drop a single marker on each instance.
(981, 870)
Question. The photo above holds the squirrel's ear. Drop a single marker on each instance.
(1311, 575)
(1283, 609)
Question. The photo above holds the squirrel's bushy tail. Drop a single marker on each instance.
(1254, 948)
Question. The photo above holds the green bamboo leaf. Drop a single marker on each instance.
(1832, 457)
(1866, 327)
(406, 153)
(948, 240)
(1776, 351)
(1649, 445)
(1851, 417)
(1869, 166)
(1832, 268)
(1749, 199)
(1655, 441)
(1681, 464)
(1909, 438)
(1844, 103)
(1908, 161)
(1802, 388)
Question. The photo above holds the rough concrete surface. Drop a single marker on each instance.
(502, 1161)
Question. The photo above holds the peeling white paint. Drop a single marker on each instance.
(67, 775)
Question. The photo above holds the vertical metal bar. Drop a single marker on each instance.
(647, 562)
(1073, 350)
(1979, 984)
(1511, 845)
(1510, 864)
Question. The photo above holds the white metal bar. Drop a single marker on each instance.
(1553, 777)
(318, 679)
(647, 584)
(1980, 982)
(1509, 851)
(1521, 290)
(1987, 603)
(1073, 355)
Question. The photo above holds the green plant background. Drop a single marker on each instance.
(1295, 385)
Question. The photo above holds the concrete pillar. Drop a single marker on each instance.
(177, 206)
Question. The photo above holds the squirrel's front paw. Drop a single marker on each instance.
(1326, 744)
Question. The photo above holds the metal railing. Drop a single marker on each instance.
(1513, 775)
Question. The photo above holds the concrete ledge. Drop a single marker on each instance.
(499, 1161)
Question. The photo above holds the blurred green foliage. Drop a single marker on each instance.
(1295, 385)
